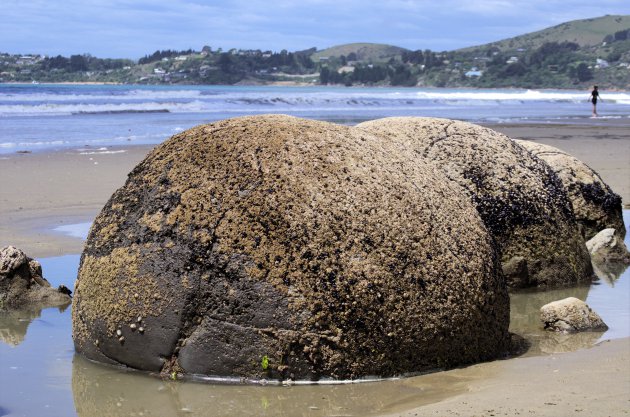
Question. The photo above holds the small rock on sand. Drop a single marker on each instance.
(570, 315)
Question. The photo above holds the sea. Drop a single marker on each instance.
(43, 117)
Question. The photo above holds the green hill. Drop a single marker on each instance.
(586, 33)
(364, 52)
(574, 54)
(570, 55)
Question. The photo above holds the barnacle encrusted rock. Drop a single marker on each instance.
(277, 247)
(521, 200)
(595, 205)
(22, 285)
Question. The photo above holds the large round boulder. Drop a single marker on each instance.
(277, 247)
(521, 200)
(595, 205)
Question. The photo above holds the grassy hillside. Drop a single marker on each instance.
(574, 54)
(586, 32)
(364, 52)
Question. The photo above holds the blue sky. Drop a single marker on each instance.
(133, 28)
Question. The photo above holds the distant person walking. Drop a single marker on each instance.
(594, 97)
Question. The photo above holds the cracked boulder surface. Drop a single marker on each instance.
(277, 247)
(520, 199)
(595, 204)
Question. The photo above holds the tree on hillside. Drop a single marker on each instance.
(57, 62)
(583, 72)
(413, 57)
(621, 35)
(402, 76)
(78, 63)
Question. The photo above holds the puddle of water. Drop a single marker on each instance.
(41, 376)
(78, 230)
(99, 390)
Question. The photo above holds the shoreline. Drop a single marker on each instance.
(289, 83)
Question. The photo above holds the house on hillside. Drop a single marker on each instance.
(474, 72)
(347, 68)
(601, 63)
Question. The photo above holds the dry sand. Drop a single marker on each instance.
(43, 190)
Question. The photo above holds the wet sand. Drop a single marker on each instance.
(589, 382)
(43, 190)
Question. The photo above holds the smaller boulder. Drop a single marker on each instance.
(570, 315)
(11, 258)
(22, 283)
(595, 205)
(608, 246)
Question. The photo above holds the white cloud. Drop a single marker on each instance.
(132, 28)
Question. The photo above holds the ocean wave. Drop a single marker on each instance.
(51, 109)
(113, 95)
(100, 152)
(41, 143)
(294, 100)
(123, 111)
(9, 146)
(298, 95)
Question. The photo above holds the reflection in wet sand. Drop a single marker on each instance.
(14, 323)
(105, 391)
(525, 321)
(609, 272)
(562, 342)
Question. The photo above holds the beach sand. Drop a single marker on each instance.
(590, 382)
(41, 191)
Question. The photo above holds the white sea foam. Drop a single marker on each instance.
(99, 152)
(38, 143)
(254, 100)
(51, 109)
(122, 95)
